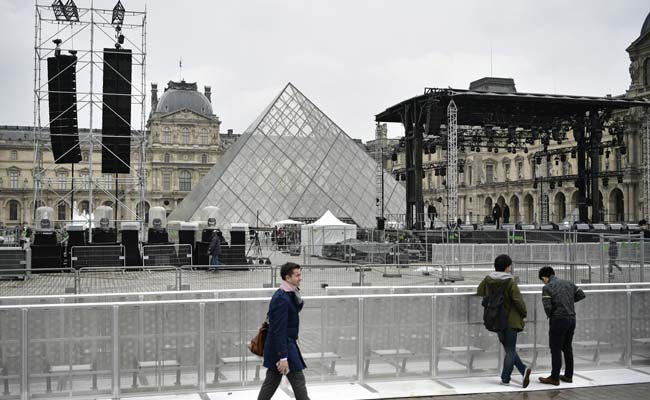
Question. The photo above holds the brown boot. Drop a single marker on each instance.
(549, 381)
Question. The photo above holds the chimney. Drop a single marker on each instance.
(208, 93)
(154, 97)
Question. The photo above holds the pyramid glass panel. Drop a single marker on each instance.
(292, 162)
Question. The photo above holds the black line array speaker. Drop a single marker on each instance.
(116, 112)
(62, 88)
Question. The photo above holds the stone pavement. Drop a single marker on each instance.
(618, 392)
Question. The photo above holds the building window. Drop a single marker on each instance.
(60, 180)
(565, 168)
(185, 136)
(167, 181)
(506, 168)
(167, 157)
(185, 181)
(429, 181)
(204, 158)
(13, 179)
(85, 180)
(85, 206)
(84, 156)
(469, 175)
(204, 137)
(61, 211)
(489, 173)
(13, 210)
(167, 137)
(618, 159)
(14, 155)
(646, 72)
(520, 170)
(108, 181)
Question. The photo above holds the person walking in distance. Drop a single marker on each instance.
(612, 251)
(281, 353)
(215, 248)
(559, 298)
(504, 314)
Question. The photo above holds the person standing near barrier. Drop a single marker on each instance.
(501, 295)
(559, 298)
(215, 248)
(281, 353)
(612, 251)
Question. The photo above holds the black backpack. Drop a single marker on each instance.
(495, 315)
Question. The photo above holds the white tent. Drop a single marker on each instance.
(327, 230)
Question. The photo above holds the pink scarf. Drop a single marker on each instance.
(287, 287)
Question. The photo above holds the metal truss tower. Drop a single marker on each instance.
(381, 132)
(452, 163)
(86, 32)
(646, 168)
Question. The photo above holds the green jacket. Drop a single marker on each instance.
(514, 301)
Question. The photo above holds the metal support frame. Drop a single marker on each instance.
(452, 163)
(378, 155)
(646, 167)
(81, 36)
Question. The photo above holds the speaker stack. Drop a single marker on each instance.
(62, 92)
(116, 112)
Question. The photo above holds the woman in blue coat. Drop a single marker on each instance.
(281, 353)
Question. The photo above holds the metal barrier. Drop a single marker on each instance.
(38, 281)
(127, 279)
(175, 255)
(528, 271)
(14, 259)
(121, 349)
(97, 256)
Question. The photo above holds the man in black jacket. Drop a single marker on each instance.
(559, 298)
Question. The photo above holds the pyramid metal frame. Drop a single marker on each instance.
(293, 161)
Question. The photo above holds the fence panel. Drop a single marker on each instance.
(97, 256)
(175, 255)
(128, 279)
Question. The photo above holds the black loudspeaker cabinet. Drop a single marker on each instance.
(131, 248)
(45, 239)
(47, 256)
(236, 254)
(104, 237)
(75, 238)
(116, 112)
(155, 236)
(201, 256)
(62, 99)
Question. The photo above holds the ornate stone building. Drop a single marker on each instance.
(488, 178)
(184, 141)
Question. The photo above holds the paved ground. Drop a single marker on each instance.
(618, 392)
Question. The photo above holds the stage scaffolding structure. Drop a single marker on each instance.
(646, 167)
(452, 163)
(88, 32)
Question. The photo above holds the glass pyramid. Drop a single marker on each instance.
(292, 162)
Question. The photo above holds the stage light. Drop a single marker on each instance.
(57, 49)
(70, 10)
(118, 14)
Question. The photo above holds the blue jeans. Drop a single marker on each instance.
(214, 260)
(508, 338)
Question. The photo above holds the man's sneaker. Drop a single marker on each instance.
(526, 381)
(549, 381)
(567, 379)
(504, 383)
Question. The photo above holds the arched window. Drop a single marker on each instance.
(14, 155)
(185, 136)
(204, 158)
(646, 72)
(204, 137)
(85, 206)
(167, 158)
(185, 181)
(61, 211)
(14, 209)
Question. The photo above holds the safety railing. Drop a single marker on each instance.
(175, 255)
(121, 349)
(93, 256)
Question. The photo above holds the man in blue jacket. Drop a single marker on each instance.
(281, 353)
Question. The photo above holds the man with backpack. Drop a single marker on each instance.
(504, 313)
(559, 298)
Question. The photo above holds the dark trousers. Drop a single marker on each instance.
(273, 378)
(508, 339)
(560, 336)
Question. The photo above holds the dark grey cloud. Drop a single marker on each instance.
(355, 58)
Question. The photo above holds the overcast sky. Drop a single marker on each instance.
(354, 58)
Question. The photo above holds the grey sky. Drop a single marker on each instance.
(354, 58)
